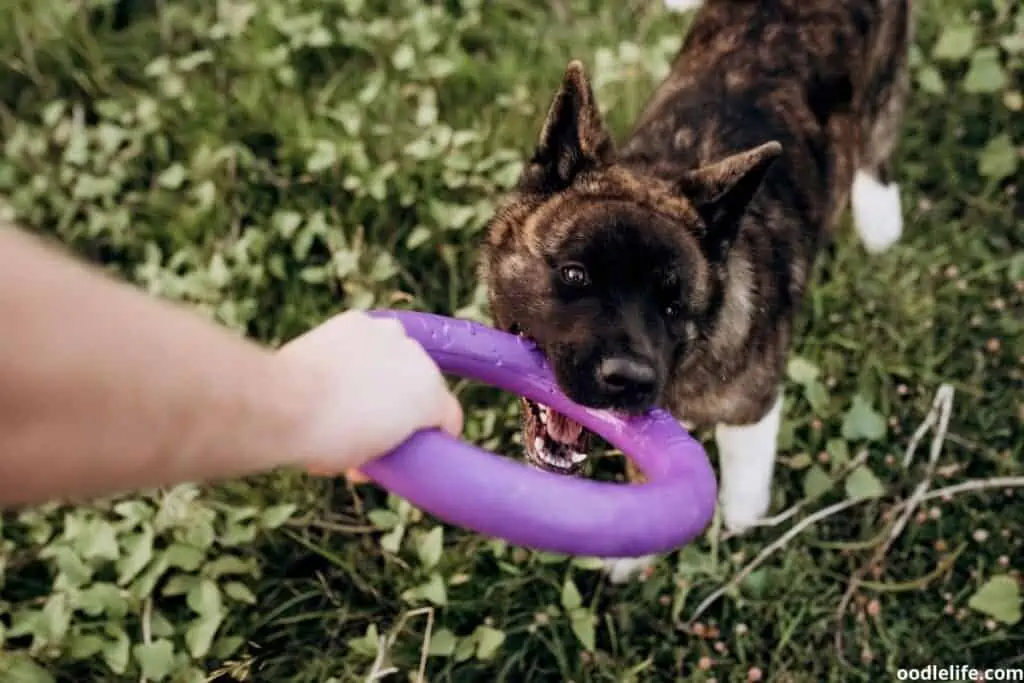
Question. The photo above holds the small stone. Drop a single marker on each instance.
(704, 663)
(980, 535)
(754, 674)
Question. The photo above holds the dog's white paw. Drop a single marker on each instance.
(682, 5)
(623, 569)
(743, 508)
(877, 213)
(747, 460)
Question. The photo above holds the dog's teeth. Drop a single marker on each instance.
(538, 443)
(577, 457)
(543, 416)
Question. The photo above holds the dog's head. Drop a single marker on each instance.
(611, 270)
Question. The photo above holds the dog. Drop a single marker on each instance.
(667, 271)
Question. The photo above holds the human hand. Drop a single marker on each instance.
(370, 388)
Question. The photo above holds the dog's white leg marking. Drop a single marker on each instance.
(877, 214)
(747, 461)
(683, 5)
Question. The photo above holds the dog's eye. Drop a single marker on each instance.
(575, 275)
(673, 311)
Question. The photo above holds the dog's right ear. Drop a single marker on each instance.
(574, 137)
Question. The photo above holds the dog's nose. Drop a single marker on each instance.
(632, 379)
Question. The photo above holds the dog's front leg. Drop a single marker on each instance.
(746, 456)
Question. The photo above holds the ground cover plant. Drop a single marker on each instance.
(271, 162)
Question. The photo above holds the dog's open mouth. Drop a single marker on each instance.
(552, 441)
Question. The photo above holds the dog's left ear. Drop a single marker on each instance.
(722, 191)
(573, 138)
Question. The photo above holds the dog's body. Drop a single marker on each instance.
(670, 271)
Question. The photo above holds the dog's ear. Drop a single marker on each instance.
(722, 191)
(573, 138)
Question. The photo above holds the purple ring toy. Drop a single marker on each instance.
(499, 497)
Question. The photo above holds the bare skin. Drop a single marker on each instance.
(104, 389)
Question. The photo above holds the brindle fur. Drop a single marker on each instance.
(733, 178)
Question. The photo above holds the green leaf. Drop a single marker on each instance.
(227, 647)
(862, 483)
(582, 625)
(800, 461)
(184, 557)
(817, 396)
(998, 158)
(239, 592)
(367, 643)
(286, 223)
(442, 643)
(204, 598)
(116, 649)
(862, 422)
(801, 370)
(465, 649)
(138, 551)
(55, 619)
(275, 516)
(434, 590)
(986, 73)
(180, 584)
(156, 659)
(999, 598)
(544, 557)
(101, 598)
(404, 57)
(1013, 43)
(392, 541)
(592, 564)
(756, 582)
(930, 80)
(955, 42)
(571, 598)
(173, 177)
(383, 519)
(228, 564)
(816, 482)
(18, 667)
(200, 633)
(430, 546)
(143, 587)
(84, 646)
(97, 540)
(838, 451)
(488, 640)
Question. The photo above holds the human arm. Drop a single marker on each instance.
(104, 389)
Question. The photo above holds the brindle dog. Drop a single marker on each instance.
(668, 271)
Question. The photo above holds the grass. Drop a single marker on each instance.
(275, 161)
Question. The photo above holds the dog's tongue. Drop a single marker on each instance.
(563, 429)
